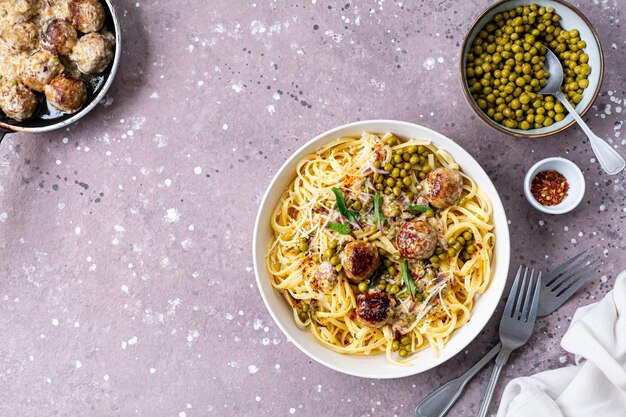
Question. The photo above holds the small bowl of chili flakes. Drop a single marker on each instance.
(554, 185)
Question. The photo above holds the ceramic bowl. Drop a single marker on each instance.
(571, 18)
(572, 174)
(377, 366)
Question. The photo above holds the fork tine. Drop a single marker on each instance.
(574, 277)
(529, 294)
(519, 305)
(557, 270)
(551, 282)
(558, 283)
(536, 296)
(508, 309)
(567, 292)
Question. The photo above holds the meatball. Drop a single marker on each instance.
(443, 187)
(325, 276)
(360, 260)
(20, 7)
(87, 15)
(92, 53)
(416, 239)
(59, 36)
(66, 93)
(20, 36)
(17, 101)
(39, 69)
(374, 309)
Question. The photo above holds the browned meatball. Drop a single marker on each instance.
(375, 308)
(20, 36)
(59, 36)
(92, 53)
(40, 69)
(443, 187)
(87, 15)
(17, 101)
(416, 239)
(66, 93)
(360, 260)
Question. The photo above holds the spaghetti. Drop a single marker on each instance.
(354, 201)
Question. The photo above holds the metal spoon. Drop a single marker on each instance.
(611, 161)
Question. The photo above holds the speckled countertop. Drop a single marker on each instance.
(125, 240)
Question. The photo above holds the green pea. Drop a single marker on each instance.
(395, 173)
(395, 346)
(390, 182)
(407, 181)
(405, 340)
(429, 213)
(394, 289)
(334, 260)
(303, 316)
(468, 235)
(362, 286)
(434, 259)
(392, 270)
(451, 252)
(328, 253)
(403, 353)
(303, 247)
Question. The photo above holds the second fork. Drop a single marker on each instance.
(516, 326)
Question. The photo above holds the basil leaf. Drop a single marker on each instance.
(417, 210)
(351, 215)
(407, 277)
(379, 216)
(340, 228)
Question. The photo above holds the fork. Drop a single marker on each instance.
(516, 325)
(553, 295)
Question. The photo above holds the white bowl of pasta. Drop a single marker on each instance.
(374, 245)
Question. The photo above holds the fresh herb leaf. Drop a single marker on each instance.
(407, 277)
(417, 210)
(340, 228)
(351, 215)
(379, 216)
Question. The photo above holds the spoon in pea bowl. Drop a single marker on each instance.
(611, 161)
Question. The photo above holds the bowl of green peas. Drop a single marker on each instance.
(503, 65)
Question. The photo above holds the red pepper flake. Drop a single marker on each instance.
(549, 188)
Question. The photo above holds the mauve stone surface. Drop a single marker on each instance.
(125, 240)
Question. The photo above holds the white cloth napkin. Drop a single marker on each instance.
(596, 386)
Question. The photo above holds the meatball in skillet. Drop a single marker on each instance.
(416, 239)
(92, 53)
(18, 7)
(66, 93)
(360, 260)
(87, 15)
(374, 309)
(19, 36)
(442, 187)
(59, 36)
(17, 101)
(40, 69)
